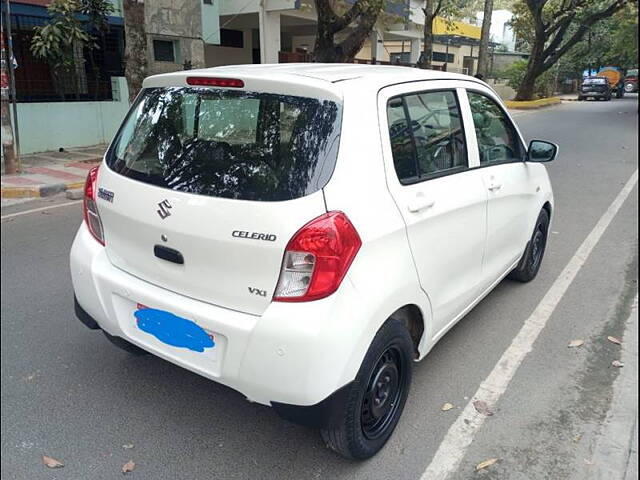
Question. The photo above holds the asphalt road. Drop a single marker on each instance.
(68, 393)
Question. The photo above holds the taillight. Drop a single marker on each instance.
(317, 258)
(91, 215)
(215, 82)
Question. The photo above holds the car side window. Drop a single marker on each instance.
(498, 140)
(427, 138)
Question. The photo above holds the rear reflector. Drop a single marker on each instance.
(215, 82)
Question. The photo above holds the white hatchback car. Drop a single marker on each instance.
(303, 233)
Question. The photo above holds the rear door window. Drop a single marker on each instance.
(231, 144)
(427, 138)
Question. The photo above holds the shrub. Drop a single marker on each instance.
(514, 74)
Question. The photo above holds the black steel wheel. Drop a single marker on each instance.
(384, 391)
(530, 263)
(376, 397)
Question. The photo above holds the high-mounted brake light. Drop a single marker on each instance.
(215, 82)
(317, 259)
(91, 215)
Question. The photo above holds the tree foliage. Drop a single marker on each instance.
(62, 39)
(514, 74)
(553, 27)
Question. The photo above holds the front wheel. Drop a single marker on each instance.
(530, 263)
(376, 397)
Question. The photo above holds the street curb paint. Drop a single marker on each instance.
(529, 104)
(40, 191)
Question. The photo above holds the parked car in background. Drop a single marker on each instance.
(631, 81)
(304, 233)
(594, 87)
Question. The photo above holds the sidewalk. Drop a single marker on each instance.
(47, 173)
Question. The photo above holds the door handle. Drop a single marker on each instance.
(420, 203)
(494, 187)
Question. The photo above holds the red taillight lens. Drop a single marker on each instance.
(317, 258)
(215, 82)
(91, 215)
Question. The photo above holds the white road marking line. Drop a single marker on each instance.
(50, 207)
(460, 435)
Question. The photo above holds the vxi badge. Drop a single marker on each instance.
(267, 237)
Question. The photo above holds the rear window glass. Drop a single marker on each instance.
(591, 81)
(230, 144)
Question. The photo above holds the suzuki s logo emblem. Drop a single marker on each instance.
(165, 206)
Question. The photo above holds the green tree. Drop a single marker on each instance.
(448, 9)
(61, 41)
(483, 54)
(553, 27)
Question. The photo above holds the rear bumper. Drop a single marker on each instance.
(595, 94)
(295, 357)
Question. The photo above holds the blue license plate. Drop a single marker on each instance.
(173, 330)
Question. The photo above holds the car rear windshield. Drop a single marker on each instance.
(591, 81)
(230, 144)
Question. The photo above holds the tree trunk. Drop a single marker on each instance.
(10, 164)
(135, 53)
(526, 90)
(362, 14)
(483, 55)
(429, 17)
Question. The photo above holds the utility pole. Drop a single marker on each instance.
(9, 146)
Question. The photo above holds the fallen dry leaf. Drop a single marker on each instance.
(617, 364)
(482, 407)
(52, 462)
(575, 343)
(614, 340)
(127, 446)
(128, 467)
(485, 464)
(446, 407)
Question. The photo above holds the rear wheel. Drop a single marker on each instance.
(377, 396)
(530, 263)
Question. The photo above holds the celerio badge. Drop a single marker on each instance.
(165, 206)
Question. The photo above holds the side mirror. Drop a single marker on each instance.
(541, 151)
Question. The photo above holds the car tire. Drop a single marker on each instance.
(376, 397)
(580, 98)
(628, 87)
(531, 260)
(122, 344)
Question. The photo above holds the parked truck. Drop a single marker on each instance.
(615, 78)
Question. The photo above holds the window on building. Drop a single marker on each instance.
(400, 57)
(164, 51)
(231, 38)
(443, 57)
(207, 2)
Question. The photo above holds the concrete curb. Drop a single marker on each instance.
(39, 191)
(617, 440)
(531, 104)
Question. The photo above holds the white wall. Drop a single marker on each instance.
(51, 125)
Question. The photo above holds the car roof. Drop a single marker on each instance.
(373, 75)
